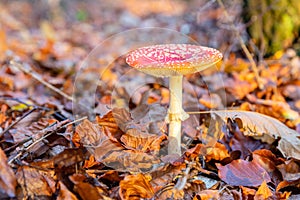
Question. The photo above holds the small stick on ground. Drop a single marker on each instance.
(36, 77)
(15, 122)
(42, 138)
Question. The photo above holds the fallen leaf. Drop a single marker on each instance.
(64, 193)
(288, 186)
(86, 190)
(247, 193)
(97, 139)
(8, 180)
(266, 159)
(243, 173)
(263, 192)
(115, 120)
(90, 134)
(129, 160)
(207, 195)
(134, 139)
(267, 129)
(136, 187)
(164, 175)
(217, 152)
(34, 183)
(290, 170)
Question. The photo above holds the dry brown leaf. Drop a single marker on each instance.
(8, 180)
(130, 160)
(290, 170)
(66, 158)
(216, 152)
(207, 195)
(247, 193)
(89, 133)
(114, 120)
(165, 175)
(64, 193)
(134, 139)
(266, 129)
(136, 187)
(96, 139)
(243, 173)
(292, 185)
(86, 190)
(34, 182)
(266, 159)
(263, 192)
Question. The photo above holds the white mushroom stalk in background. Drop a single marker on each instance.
(173, 61)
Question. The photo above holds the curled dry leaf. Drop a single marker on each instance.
(8, 180)
(136, 187)
(266, 159)
(207, 195)
(134, 139)
(89, 133)
(96, 139)
(114, 120)
(130, 160)
(243, 173)
(216, 152)
(266, 129)
(290, 170)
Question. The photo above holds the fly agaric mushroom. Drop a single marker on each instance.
(174, 61)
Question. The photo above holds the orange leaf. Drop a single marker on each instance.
(134, 139)
(243, 173)
(96, 137)
(8, 181)
(207, 195)
(263, 192)
(85, 189)
(34, 183)
(64, 193)
(247, 193)
(135, 187)
(130, 160)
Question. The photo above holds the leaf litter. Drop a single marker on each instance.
(46, 153)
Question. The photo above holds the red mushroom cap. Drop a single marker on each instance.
(173, 59)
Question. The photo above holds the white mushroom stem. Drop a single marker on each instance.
(175, 115)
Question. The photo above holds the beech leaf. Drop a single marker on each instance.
(243, 173)
(267, 129)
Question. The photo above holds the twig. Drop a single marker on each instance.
(36, 77)
(198, 112)
(183, 180)
(42, 138)
(15, 122)
(245, 49)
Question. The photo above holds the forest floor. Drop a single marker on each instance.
(78, 123)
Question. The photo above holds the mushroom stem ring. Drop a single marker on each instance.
(173, 61)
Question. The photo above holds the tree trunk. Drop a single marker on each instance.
(273, 24)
